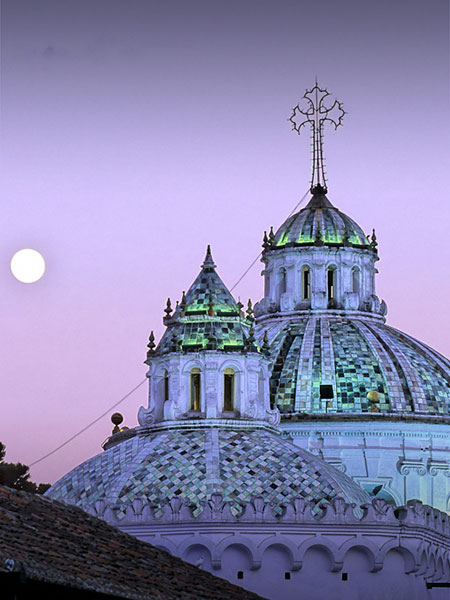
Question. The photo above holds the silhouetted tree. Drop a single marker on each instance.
(17, 475)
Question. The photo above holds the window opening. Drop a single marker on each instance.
(283, 286)
(195, 389)
(306, 284)
(228, 390)
(355, 277)
(331, 284)
(166, 386)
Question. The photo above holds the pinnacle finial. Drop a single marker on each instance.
(266, 346)
(373, 240)
(315, 112)
(208, 263)
(151, 344)
(250, 312)
(168, 308)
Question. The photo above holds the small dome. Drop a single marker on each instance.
(354, 357)
(194, 463)
(208, 318)
(319, 222)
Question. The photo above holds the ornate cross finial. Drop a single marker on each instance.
(316, 109)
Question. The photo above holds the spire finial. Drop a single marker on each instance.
(208, 263)
(315, 112)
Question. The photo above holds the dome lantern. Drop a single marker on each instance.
(207, 364)
(319, 259)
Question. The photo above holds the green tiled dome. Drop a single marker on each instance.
(194, 463)
(208, 317)
(319, 222)
(355, 356)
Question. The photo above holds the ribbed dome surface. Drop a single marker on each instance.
(319, 222)
(194, 463)
(355, 356)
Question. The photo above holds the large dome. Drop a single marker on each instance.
(355, 356)
(320, 222)
(194, 462)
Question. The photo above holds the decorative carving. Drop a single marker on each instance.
(146, 416)
(405, 466)
(273, 416)
(435, 467)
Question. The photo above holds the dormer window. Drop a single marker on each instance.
(228, 390)
(306, 283)
(195, 390)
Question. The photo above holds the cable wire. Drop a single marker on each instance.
(89, 425)
(248, 268)
(144, 380)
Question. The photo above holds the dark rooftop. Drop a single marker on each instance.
(60, 544)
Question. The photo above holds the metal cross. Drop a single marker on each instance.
(315, 112)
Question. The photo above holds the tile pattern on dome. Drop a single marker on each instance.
(399, 393)
(174, 467)
(92, 480)
(357, 369)
(284, 373)
(303, 390)
(316, 375)
(174, 463)
(301, 228)
(207, 286)
(195, 334)
(272, 469)
(435, 385)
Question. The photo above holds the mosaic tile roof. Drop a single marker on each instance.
(355, 356)
(320, 222)
(194, 463)
(208, 317)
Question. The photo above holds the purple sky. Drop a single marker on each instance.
(135, 132)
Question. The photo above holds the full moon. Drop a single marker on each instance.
(27, 265)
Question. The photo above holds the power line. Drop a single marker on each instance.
(90, 424)
(251, 265)
(144, 380)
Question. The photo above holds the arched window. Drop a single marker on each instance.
(283, 283)
(355, 280)
(195, 390)
(306, 283)
(331, 284)
(229, 381)
(266, 283)
(166, 386)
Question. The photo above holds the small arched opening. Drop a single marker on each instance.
(356, 280)
(306, 283)
(195, 404)
(166, 386)
(229, 384)
(331, 286)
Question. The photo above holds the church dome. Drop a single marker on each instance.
(192, 462)
(319, 223)
(338, 361)
(207, 318)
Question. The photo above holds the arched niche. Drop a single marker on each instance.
(278, 557)
(237, 561)
(198, 555)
